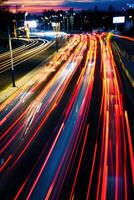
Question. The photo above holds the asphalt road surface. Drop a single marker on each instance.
(68, 132)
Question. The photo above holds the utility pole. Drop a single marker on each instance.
(56, 29)
(116, 27)
(67, 24)
(57, 44)
(16, 20)
(11, 56)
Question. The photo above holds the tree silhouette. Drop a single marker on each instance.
(2, 5)
(110, 9)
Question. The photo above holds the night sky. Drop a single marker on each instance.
(39, 5)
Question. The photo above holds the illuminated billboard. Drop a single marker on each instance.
(31, 24)
(119, 20)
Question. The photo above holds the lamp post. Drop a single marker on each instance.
(26, 25)
(11, 56)
(25, 18)
(57, 43)
(16, 19)
(56, 29)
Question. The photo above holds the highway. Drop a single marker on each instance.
(68, 133)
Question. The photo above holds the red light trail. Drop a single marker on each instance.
(63, 144)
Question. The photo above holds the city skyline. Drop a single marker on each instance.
(40, 5)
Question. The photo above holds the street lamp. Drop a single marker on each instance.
(11, 56)
(56, 29)
(26, 25)
(25, 19)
